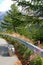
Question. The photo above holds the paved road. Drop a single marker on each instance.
(8, 60)
(28, 44)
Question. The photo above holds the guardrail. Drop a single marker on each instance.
(28, 44)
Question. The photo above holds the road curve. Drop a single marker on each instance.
(4, 59)
(28, 44)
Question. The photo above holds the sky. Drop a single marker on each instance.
(5, 5)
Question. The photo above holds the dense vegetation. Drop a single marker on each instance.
(29, 26)
(32, 5)
(27, 56)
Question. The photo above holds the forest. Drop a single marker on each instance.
(25, 18)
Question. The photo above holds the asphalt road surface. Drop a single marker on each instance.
(28, 44)
(8, 60)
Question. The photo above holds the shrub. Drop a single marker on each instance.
(36, 61)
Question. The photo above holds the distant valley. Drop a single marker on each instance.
(2, 14)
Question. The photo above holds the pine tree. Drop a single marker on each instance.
(13, 19)
(35, 5)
